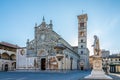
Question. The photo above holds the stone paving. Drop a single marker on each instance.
(47, 75)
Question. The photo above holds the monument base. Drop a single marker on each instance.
(97, 75)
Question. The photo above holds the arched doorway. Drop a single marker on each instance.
(82, 65)
(43, 64)
(6, 67)
(82, 68)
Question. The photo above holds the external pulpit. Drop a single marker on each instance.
(59, 54)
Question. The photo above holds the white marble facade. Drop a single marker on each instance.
(40, 53)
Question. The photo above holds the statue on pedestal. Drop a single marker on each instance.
(96, 46)
(97, 72)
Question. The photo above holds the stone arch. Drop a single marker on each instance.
(82, 65)
(40, 52)
(6, 66)
(82, 33)
(12, 57)
(13, 65)
(5, 55)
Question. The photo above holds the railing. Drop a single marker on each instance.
(8, 59)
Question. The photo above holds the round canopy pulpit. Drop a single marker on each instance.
(59, 51)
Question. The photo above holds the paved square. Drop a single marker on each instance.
(43, 75)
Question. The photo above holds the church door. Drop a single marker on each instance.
(43, 64)
(82, 68)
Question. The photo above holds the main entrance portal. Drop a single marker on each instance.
(6, 67)
(43, 64)
(82, 67)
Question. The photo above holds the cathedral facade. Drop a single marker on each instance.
(49, 51)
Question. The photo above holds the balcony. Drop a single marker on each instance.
(59, 56)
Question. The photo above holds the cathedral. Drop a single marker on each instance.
(49, 51)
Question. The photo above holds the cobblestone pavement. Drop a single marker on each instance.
(47, 75)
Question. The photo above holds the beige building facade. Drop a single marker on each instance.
(110, 63)
(114, 63)
(7, 56)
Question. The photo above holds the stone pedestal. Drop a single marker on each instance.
(97, 72)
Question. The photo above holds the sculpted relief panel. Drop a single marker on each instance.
(42, 52)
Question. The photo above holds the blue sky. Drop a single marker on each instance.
(18, 17)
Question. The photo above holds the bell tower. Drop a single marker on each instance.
(82, 41)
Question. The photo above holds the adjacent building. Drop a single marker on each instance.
(7, 56)
(105, 53)
(114, 62)
(111, 63)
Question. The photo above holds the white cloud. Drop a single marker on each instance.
(90, 43)
(74, 41)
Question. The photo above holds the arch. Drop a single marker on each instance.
(82, 68)
(82, 33)
(12, 57)
(82, 65)
(6, 67)
(42, 52)
(5, 56)
(13, 65)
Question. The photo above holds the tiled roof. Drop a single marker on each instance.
(9, 44)
(114, 56)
